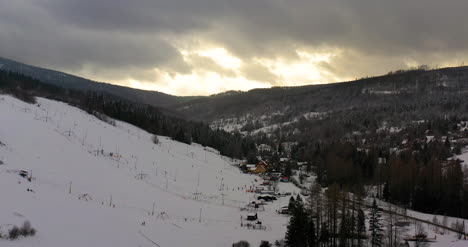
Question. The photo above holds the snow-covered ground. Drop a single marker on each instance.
(464, 157)
(119, 174)
(438, 236)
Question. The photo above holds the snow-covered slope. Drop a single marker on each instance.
(116, 174)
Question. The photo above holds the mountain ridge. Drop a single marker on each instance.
(70, 81)
(307, 98)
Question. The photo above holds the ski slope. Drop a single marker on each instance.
(94, 184)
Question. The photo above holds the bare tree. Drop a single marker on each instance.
(444, 223)
(155, 139)
(390, 226)
(435, 220)
(420, 235)
(460, 228)
(314, 204)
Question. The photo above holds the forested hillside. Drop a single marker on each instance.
(400, 132)
(396, 89)
(68, 81)
(154, 120)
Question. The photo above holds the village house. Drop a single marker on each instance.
(259, 168)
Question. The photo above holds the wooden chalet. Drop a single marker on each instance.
(260, 168)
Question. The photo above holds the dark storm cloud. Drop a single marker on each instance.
(375, 26)
(119, 35)
(32, 32)
(257, 72)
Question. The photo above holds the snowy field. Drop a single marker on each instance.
(438, 236)
(94, 184)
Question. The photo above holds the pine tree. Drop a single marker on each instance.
(361, 226)
(351, 228)
(287, 170)
(292, 204)
(386, 192)
(375, 227)
(342, 235)
(311, 237)
(324, 234)
(333, 195)
(296, 233)
(241, 243)
(344, 224)
(265, 244)
(299, 199)
(314, 202)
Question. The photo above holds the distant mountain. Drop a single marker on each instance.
(395, 88)
(410, 89)
(74, 82)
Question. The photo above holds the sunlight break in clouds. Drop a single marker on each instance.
(205, 79)
(205, 83)
(221, 57)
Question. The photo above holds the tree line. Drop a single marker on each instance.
(420, 177)
(335, 217)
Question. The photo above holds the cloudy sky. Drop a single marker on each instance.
(201, 47)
